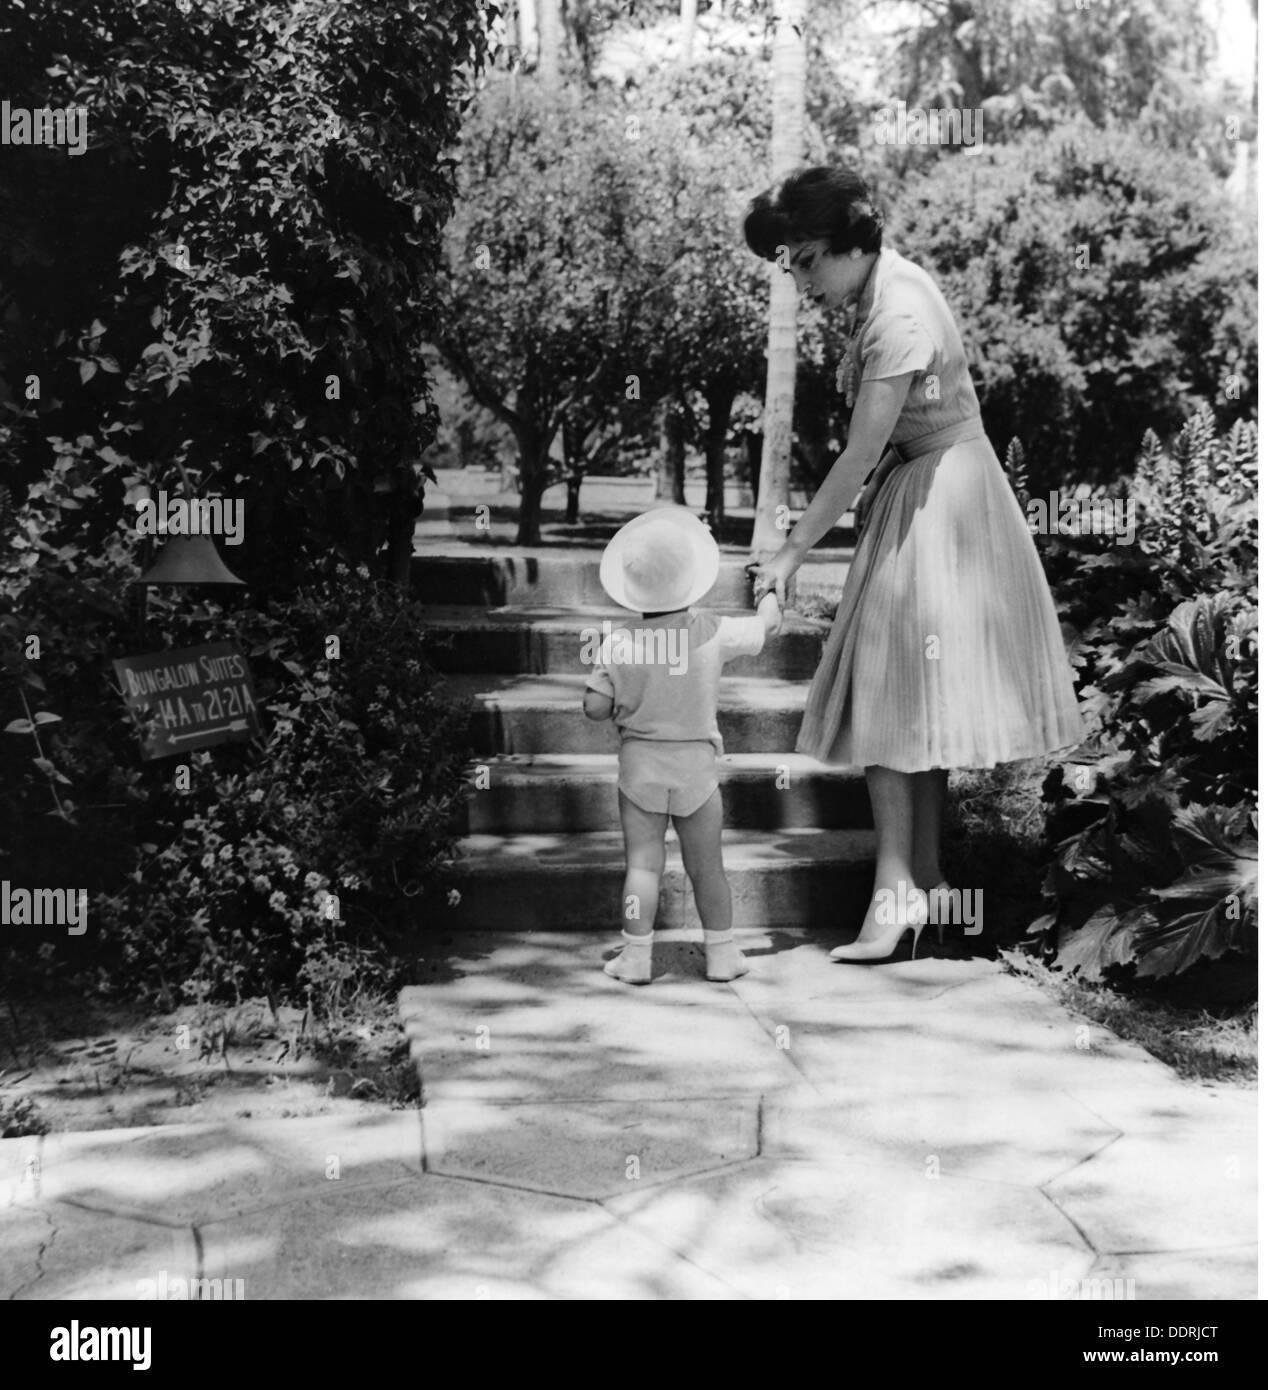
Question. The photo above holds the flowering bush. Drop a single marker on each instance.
(289, 866)
(1153, 822)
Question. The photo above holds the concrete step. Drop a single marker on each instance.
(542, 714)
(449, 573)
(549, 640)
(518, 794)
(572, 882)
(538, 577)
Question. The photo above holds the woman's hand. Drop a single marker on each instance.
(770, 577)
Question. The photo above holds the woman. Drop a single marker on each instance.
(946, 650)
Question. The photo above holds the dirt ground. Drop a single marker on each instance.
(70, 1065)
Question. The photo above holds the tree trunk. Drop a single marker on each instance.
(753, 460)
(811, 449)
(549, 31)
(575, 471)
(671, 465)
(787, 136)
(686, 31)
(529, 531)
(526, 25)
(720, 399)
(581, 28)
(402, 518)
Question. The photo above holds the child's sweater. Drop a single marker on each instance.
(671, 694)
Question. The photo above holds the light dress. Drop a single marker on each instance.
(946, 650)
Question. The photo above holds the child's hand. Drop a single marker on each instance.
(770, 612)
(596, 705)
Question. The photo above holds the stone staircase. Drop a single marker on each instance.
(542, 849)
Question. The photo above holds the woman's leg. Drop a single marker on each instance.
(926, 832)
(640, 895)
(893, 797)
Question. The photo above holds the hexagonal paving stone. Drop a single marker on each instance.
(540, 1032)
(1207, 1275)
(23, 1231)
(445, 1238)
(87, 1254)
(859, 1230)
(1016, 1044)
(181, 1174)
(790, 966)
(588, 1150)
(1167, 1191)
(1004, 1137)
(1181, 1105)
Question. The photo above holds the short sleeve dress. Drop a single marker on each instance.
(946, 650)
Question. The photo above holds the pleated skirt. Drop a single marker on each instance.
(946, 651)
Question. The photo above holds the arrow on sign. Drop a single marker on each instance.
(236, 725)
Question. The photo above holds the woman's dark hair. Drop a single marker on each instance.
(824, 201)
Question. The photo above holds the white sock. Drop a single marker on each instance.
(634, 964)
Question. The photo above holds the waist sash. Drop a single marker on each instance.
(958, 433)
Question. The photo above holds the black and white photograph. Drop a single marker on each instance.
(628, 665)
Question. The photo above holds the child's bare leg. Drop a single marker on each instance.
(700, 835)
(644, 864)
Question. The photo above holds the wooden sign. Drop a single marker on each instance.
(191, 698)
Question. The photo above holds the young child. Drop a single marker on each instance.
(659, 680)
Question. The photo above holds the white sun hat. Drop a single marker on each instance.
(661, 561)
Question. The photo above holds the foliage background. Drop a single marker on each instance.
(259, 210)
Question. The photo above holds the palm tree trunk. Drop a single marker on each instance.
(526, 23)
(787, 137)
(549, 33)
(686, 31)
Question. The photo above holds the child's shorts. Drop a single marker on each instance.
(659, 775)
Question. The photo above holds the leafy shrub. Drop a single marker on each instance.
(237, 275)
(224, 890)
(1103, 285)
(1154, 823)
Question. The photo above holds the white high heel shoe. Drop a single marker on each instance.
(885, 948)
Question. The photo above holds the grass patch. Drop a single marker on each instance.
(1203, 1027)
(1199, 1045)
